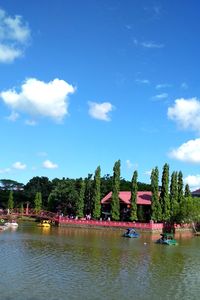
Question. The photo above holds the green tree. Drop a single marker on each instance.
(187, 191)
(180, 187)
(80, 201)
(22, 208)
(164, 195)
(38, 202)
(88, 194)
(97, 194)
(174, 206)
(134, 189)
(38, 184)
(64, 197)
(115, 205)
(156, 212)
(10, 201)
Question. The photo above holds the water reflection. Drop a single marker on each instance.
(73, 263)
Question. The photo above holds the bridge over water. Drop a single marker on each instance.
(32, 213)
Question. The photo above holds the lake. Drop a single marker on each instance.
(77, 263)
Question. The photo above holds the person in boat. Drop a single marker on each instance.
(130, 230)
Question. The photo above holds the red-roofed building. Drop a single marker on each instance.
(196, 193)
(143, 202)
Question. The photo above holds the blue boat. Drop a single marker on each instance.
(131, 233)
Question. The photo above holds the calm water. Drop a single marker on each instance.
(72, 263)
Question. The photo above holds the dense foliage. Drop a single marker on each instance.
(171, 202)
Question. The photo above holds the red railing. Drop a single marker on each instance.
(142, 226)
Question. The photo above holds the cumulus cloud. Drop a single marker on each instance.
(47, 164)
(186, 112)
(14, 35)
(193, 181)
(100, 111)
(39, 98)
(188, 152)
(19, 166)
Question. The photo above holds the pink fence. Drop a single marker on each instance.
(143, 226)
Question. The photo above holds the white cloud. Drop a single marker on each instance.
(19, 166)
(151, 45)
(100, 110)
(163, 85)
(47, 164)
(160, 96)
(13, 116)
(188, 152)
(193, 181)
(186, 112)
(142, 81)
(39, 98)
(14, 35)
(129, 164)
(9, 53)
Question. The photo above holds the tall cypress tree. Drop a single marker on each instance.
(134, 189)
(180, 187)
(187, 191)
(10, 201)
(80, 202)
(174, 207)
(97, 194)
(38, 202)
(115, 205)
(156, 212)
(164, 195)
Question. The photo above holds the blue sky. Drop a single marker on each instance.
(85, 83)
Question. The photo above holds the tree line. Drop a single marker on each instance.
(171, 201)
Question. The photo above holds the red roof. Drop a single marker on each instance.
(143, 198)
(197, 192)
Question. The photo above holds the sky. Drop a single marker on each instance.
(85, 83)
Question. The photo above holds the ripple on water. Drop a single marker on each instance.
(93, 264)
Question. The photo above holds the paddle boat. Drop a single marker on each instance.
(167, 239)
(44, 223)
(131, 233)
(12, 224)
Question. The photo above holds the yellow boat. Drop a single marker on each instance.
(44, 223)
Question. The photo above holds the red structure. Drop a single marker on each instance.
(143, 202)
(143, 198)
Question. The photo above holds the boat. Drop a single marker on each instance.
(11, 224)
(167, 239)
(131, 233)
(44, 223)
